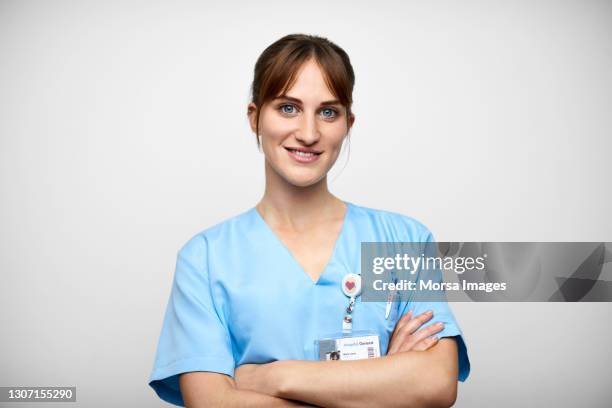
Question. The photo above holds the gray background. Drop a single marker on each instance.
(123, 133)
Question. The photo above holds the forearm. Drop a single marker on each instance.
(202, 389)
(408, 379)
(248, 399)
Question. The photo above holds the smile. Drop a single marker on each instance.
(303, 156)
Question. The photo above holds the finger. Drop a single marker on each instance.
(398, 326)
(422, 345)
(401, 339)
(426, 344)
(418, 321)
(403, 331)
(401, 322)
(398, 336)
(427, 332)
(408, 341)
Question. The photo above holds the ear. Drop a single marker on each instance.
(351, 120)
(252, 114)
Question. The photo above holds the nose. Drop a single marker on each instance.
(308, 132)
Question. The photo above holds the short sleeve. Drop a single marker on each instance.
(194, 337)
(441, 313)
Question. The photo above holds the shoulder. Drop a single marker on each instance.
(222, 231)
(403, 227)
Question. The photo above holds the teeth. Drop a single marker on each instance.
(303, 154)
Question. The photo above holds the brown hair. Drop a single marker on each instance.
(277, 66)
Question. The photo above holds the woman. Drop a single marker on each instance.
(254, 295)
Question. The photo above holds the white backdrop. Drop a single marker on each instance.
(123, 132)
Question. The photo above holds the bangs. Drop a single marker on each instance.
(283, 73)
(277, 68)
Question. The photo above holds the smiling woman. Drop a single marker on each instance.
(312, 108)
(265, 308)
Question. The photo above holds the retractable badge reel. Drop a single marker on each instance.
(349, 345)
(351, 286)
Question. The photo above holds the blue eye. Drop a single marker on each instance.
(290, 109)
(286, 108)
(329, 113)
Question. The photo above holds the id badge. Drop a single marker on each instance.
(354, 346)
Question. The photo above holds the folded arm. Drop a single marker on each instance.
(405, 379)
(208, 389)
(419, 370)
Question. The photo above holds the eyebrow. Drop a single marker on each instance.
(296, 100)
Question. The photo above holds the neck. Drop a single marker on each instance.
(289, 206)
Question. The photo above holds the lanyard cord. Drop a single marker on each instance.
(347, 322)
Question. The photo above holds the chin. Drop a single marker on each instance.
(304, 181)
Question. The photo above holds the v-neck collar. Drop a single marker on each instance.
(294, 260)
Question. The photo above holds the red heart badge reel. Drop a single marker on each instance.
(351, 285)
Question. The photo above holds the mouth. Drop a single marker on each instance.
(302, 155)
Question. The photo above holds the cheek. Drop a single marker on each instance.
(275, 128)
(336, 134)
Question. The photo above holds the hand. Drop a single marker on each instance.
(406, 336)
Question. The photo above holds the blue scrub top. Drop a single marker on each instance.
(239, 296)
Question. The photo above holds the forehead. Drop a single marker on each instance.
(309, 84)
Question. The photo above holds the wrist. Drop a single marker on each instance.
(278, 375)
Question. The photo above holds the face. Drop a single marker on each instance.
(302, 131)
